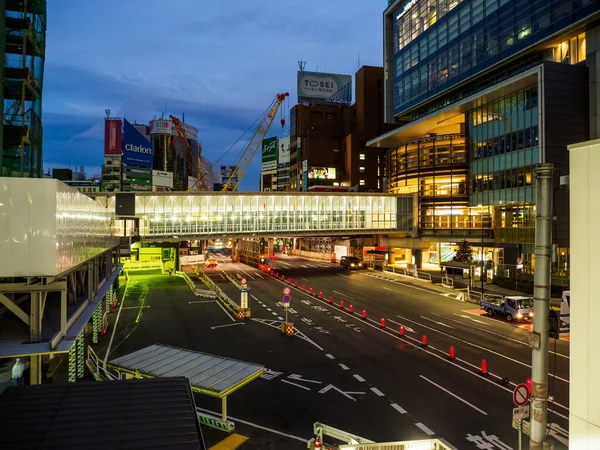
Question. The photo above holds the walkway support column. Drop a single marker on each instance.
(541, 305)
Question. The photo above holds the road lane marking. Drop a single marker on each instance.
(409, 329)
(226, 312)
(398, 408)
(494, 333)
(223, 276)
(359, 378)
(303, 279)
(112, 336)
(241, 270)
(343, 295)
(297, 377)
(343, 366)
(455, 396)
(259, 275)
(228, 325)
(260, 427)
(306, 267)
(253, 297)
(480, 347)
(423, 428)
(202, 301)
(342, 275)
(378, 392)
(387, 288)
(231, 442)
(269, 309)
(330, 356)
(435, 321)
(295, 384)
(274, 313)
(280, 318)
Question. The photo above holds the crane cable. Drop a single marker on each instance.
(259, 118)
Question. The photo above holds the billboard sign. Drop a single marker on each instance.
(162, 179)
(226, 172)
(136, 148)
(305, 175)
(283, 155)
(113, 137)
(322, 173)
(324, 87)
(269, 154)
(161, 127)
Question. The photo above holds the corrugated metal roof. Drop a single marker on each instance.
(124, 414)
(211, 374)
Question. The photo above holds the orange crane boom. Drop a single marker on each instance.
(248, 155)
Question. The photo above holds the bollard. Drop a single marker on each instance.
(310, 291)
(302, 287)
(320, 295)
(331, 299)
(289, 281)
(364, 314)
(401, 330)
(382, 322)
(296, 283)
(483, 370)
(282, 277)
(424, 341)
(451, 353)
(351, 308)
(342, 304)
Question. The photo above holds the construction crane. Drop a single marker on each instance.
(240, 169)
(193, 162)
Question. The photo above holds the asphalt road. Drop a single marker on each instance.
(342, 370)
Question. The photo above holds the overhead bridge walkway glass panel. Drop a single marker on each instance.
(212, 213)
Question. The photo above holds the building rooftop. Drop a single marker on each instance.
(122, 414)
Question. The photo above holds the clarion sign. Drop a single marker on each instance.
(138, 149)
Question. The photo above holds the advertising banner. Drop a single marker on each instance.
(305, 175)
(324, 87)
(136, 148)
(113, 138)
(226, 172)
(269, 154)
(162, 179)
(283, 156)
(322, 173)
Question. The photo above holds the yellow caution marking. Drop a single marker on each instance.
(230, 442)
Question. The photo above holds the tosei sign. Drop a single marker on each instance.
(324, 87)
(137, 150)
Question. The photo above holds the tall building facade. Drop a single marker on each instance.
(22, 56)
(169, 152)
(479, 92)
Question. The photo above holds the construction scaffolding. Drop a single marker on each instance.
(22, 55)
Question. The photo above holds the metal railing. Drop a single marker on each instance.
(448, 282)
(98, 367)
(221, 296)
(130, 265)
(421, 275)
(432, 444)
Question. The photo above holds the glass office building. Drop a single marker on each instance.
(514, 79)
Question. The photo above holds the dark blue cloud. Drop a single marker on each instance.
(219, 63)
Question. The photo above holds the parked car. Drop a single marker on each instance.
(210, 263)
(351, 262)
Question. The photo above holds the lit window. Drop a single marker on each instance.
(361, 169)
(362, 182)
(362, 157)
(378, 184)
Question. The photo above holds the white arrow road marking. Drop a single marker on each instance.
(228, 325)
(435, 321)
(295, 384)
(345, 394)
(297, 377)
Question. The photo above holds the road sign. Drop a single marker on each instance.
(244, 299)
(521, 395)
(286, 299)
(243, 281)
(523, 425)
(521, 412)
(286, 291)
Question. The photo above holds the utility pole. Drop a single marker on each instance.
(541, 305)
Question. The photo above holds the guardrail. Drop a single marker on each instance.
(473, 296)
(437, 444)
(406, 272)
(235, 281)
(492, 297)
(98, 367)
(196, 291)
(424, 276)
(448, 282)
(314, 255)
(221, 296)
